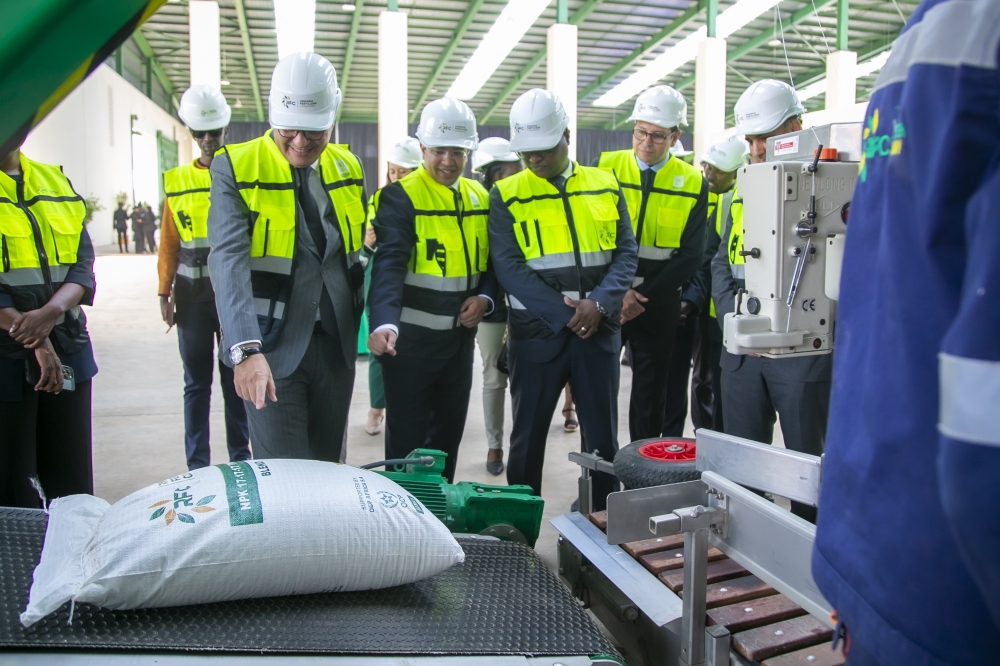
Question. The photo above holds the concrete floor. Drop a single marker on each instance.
(138, 416)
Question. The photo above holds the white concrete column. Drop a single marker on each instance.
(392, 86)
(709, 94)
(203, 31)
(560, 74)
(841, 79)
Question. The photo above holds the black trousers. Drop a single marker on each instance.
(694, 341)
(426, 402)
(536, 387)
(650, 338)
(678, 374)
(46, 435)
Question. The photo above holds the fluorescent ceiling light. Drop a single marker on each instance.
(683, 52)
(862, 69)
(295, 23)
(510, 26)
(348, 6)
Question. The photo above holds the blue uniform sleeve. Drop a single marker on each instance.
(82, 272)
(396, 239)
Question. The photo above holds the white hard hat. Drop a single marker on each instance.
(727, 154)
(406, 154)
(677, 149)
(493, 149)
(764, 106)
(448, 123)
(537, 121)
(304, 93)
(661, 105)
(204, 108)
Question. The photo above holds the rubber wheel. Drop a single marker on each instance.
(656, 462)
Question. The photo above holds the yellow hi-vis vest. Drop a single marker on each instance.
(450, 253)
(186, 188)
(734, 243)
(718, 209)
(566, 237)
(659, 219)
(41, 221)
(264, 179)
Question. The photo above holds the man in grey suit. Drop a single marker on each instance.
(755, 387)
(286, 227)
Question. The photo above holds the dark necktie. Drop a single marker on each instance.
(559, 182)
(310, 210)
(648, 176)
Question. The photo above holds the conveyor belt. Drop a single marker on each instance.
(502, 601)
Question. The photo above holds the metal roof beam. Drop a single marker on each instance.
(751, 44)
(352, 40)
(154, 65)
(526, 71)
(241, 17)
(445, 57)
(651, 43)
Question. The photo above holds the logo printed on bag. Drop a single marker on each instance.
(182, 499)
(388, 500)
(241, 494)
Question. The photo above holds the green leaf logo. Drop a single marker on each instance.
(185, 518)
(205, 500)
(158, 513)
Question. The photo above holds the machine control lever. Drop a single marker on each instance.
(752, 252)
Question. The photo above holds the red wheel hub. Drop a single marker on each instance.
(668, 450)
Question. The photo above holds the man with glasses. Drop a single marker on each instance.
(286, 227)
(186, 295)
(667, 202)
(431, 284)
(565, 254)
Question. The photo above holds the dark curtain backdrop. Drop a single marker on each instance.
(362, 138)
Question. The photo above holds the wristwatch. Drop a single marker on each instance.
(603, 310)
(239, 354)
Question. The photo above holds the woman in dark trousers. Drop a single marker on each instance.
(46, 359)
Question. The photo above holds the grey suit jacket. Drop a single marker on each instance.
(229, 264)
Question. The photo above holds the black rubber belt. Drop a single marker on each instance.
(502, 601)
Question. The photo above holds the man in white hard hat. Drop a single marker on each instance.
(431, 285)
(286, 227)
(757, 390)
(698, 335)
(186, 295)
(404, 157)
(564, 251)
(667, 201)
(494, 161)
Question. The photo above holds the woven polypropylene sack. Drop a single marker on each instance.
(259, 528)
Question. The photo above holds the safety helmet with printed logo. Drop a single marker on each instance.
(406, 153)
(493, 149)
(304, 93)
(537, 121)
(677, 150)
(764, 106)
(727, 154)
(448, 123)
(662, 106)
(203, 108)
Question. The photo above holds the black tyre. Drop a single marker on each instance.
(656, 462)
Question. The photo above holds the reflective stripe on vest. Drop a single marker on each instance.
(734, 244)
(450, 252)
(264, 180)
(717, 213)
(186, 189)
(41, 221)
(571, 253)
(659, 221)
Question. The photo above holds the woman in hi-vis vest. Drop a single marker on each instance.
(46, 360)
(405, 157)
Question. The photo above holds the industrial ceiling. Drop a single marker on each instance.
(616, 38)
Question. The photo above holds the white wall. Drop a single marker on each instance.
(88, 134)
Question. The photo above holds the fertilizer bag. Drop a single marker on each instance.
(259, 528)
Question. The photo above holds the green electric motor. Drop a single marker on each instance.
(511, 513)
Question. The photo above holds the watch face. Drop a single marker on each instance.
(236, 356)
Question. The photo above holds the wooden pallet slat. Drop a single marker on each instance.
(755, 613)
(639, 548)
(600, 519)
(785, 636)
(817, 655)
(715, 572)
(668, 560)
(736, 591)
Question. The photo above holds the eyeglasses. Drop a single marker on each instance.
(456, 153)
(215, 134)
(312, 136)
(526, 154)
(657, 137)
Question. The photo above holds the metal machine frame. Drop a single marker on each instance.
(648, 619)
